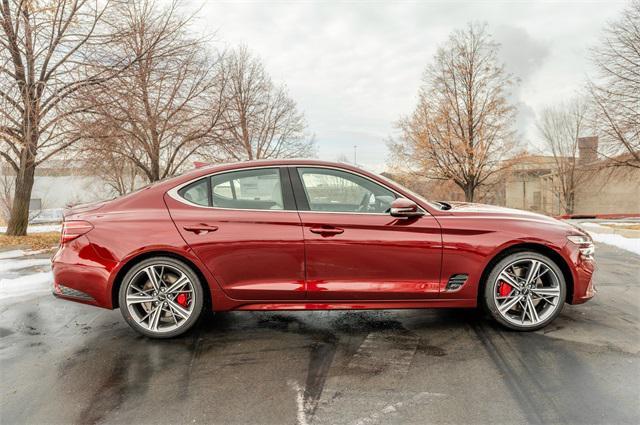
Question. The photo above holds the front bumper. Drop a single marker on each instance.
(583, 286)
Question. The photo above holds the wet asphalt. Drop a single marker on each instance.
(63, 362)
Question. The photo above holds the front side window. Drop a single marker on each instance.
(331, 190)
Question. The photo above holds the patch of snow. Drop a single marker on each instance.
(39, 228)
(12, 254)
(629, 244)
(15, 264)
(25, 285)
(17, 253)
(621, 223)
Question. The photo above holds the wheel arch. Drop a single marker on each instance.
(520, 247)
(131, 262)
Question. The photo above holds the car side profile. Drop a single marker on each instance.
(312, 235)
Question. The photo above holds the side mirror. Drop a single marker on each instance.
(403, 207)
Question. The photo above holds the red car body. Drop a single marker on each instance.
(277, 260)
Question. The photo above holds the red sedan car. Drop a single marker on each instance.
(298, 234)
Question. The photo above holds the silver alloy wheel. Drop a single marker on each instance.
(527, 292)
(160, 298)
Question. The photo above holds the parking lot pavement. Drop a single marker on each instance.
(67, 363)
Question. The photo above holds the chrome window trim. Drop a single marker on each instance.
(173, 193)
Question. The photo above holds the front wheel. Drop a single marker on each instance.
(161, 297)
(525, 291)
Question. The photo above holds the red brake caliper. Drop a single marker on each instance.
(505, 289)
(182, 299)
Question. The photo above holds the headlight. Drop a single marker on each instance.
(585, 245)
(579, 239)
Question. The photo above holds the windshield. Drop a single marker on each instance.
(411, 192)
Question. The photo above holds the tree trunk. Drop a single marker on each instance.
(570, 203)
(469, 193)
(19, 219)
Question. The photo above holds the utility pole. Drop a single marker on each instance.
(355, 154)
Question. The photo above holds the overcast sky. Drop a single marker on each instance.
(354, 67)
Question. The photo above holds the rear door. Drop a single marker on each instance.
(243, 225)
(354, 249)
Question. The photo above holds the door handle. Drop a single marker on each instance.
(326, 230)
(200, 228)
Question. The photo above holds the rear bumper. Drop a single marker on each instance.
(80, 275)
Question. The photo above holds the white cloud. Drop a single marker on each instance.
(355, 67)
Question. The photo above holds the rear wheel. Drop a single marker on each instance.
(161, 297)
(525, 291)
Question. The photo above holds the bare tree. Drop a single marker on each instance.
(616, 89)
(45, 48)
(261, 120)
(117, 172)
(165, 108)
(7, 180)
(461, 128)
(560, 128)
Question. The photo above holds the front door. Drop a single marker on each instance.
(355, 250)
(243, 226)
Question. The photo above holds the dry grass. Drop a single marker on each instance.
(35, 241)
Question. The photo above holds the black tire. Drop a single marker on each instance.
(198, 296)
(490, 287)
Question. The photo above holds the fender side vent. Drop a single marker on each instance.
(456, 281)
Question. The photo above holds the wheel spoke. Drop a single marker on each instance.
(511, 280)
(177, 308)
(137, 299)
(178, 284)
(154, 320)
(552, 292)
(170, 310)
(153, 277)
(508, 305)
(547, 298)
(141, 291)
(533, 272)
(533, 314)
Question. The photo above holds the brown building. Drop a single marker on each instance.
(600, 189)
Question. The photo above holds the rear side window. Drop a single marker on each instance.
(248, 189)
(196, 192)
(259, 189)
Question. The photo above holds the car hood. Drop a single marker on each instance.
(495, 212)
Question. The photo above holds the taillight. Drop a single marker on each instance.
(74, 229)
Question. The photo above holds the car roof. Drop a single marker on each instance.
(202, 170)
(276, 162)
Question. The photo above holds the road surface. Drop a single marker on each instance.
(63, 362)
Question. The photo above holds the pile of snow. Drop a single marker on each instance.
(630, 244)
(24, 285)
(6, 266)
(602, 234)
(14, 283)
